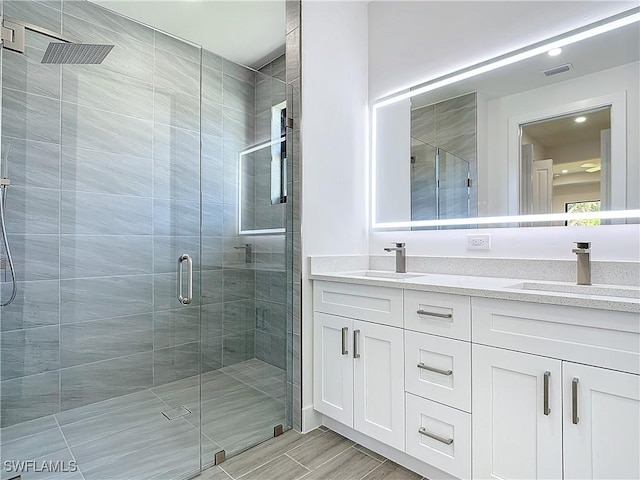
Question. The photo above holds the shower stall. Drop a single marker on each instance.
(150, 334)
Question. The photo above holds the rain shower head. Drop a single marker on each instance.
(76, 53)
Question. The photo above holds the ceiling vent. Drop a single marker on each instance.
(557, 70)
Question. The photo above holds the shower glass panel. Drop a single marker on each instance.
(440, 183)
(116, 172)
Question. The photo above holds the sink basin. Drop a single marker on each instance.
(602, 290)
(384, 274)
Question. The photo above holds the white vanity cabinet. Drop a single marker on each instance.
(358, 365)
(540, 417)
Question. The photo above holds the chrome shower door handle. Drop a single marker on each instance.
(185, 300)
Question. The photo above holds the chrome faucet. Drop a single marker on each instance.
(401, 257)
(583, 252)
(248, 251)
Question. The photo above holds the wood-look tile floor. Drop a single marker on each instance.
(321, 454)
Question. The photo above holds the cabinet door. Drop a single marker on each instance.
(601, 423)
(333, 367)
(514, 435)
(379, 382)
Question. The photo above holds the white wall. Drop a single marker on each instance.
(414, 41)
(411, 42)
(334, 148)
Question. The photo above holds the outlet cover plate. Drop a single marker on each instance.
(479, 242)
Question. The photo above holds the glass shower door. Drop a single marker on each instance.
(100, 361)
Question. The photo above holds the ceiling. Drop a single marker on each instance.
(565, 131)
(249, 32)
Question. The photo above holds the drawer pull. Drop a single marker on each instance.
(446, 441)
(356, 344)
(433, 369)
(574, 401)
(434, 314)
(345, 339)
(546, 409)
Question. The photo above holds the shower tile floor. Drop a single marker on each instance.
(128, 437)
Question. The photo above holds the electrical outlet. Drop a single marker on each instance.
(478, 242)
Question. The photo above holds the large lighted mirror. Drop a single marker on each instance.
(547, 135)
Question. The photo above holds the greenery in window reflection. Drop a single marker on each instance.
(583, 207)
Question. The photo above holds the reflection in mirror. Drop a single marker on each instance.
(565, 164)
(499, 140)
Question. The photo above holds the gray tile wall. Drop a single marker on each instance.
(450, 125)
(105, 171)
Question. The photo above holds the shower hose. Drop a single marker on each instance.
(14, 291)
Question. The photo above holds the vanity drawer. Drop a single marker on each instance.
(439, 435)
(603, 338)
(438, 313)
(362, 302)
(438, 369)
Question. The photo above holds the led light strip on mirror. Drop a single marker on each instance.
(615, 216)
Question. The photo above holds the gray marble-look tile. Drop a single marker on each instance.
(239, 316)
(106, 425)
(238, 94)
(176, 217)
(212, 318)
(33, 447)
(109, 19)
(212, 253)
(25, 73)
(423, 124)
(176, 46)
(293, 54)
(213, 473)
(108, 297)
(320, 449)
(167, 250)
(105, 214)
(87, 342)
(176, 327)
(176, 73)
(129, 56)
(38, 254)
(33, 210)
(85, 127)
(238, 71)
(349, 464)
(238, 129)
(176, 163)
(29, 352)
(175, 363)
(106, 90)
(212, 286)
(27, 429)
(212, 85)
(104, 407)
(105, 256)
(94, 382)
(28, 398)
(32, 164)
(170, 453)
(211, 60)
(282, 468)
(178, 109)
(100, 172)
(30, 117)
(391, 471)
(238, 347)
(212, 122)
(238, 284)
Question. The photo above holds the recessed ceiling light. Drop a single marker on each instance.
(554, 52)
(564, 171)
(580, 119)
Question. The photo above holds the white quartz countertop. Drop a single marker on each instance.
(517, 289)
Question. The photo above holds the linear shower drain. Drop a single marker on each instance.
(177, 412)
